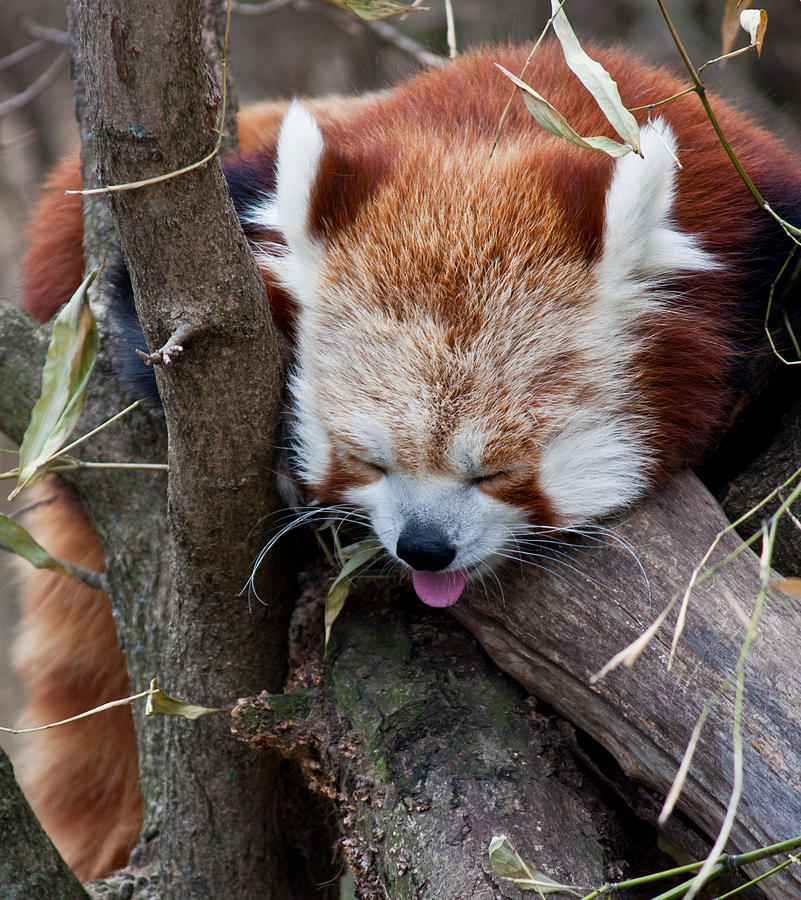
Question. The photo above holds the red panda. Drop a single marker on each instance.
(483, 345)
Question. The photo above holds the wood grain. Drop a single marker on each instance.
(552, 632)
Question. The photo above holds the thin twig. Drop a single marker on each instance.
(788, 362)
(505, 113)
(54, 35)
(792, 231)
(697, 578)
(84, 715)
(768, 539)
(451, 29)
(94, 431)
(27, 137)
(390, 36)
(23, 53)
(725, 863)
(71, 464)
(725, 56)
(36, 87)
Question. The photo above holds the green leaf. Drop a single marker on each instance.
(506, 862)
(70, 359)
(377, 9)
(353, 557)
(596, 79)
(552, 120)
(18, 540)
(159, 704)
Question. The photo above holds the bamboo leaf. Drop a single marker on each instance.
(596, 79)
(377, 9)
(552, 120)
(507, 863)
(788, 585)
(70, 359)
(19, 541)
(159, 704)
(755, 22)
(353, 557)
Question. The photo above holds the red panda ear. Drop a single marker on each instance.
(298, 155)
(321, 179)
(640, 240)
(322, 176)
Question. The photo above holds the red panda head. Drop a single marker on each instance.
(471, 331)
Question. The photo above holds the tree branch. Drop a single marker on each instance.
(429, 751)
(644, 715)
(31, 866)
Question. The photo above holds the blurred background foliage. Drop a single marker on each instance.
(307, 47)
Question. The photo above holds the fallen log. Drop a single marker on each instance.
(552, 631)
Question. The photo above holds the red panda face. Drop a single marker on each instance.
(468, 338)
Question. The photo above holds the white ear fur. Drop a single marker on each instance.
(640, 242)
(300, 146)
(298, 153)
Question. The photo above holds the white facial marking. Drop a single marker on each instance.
(366, 432)
(595, 467)
(312, 444)
(477, 525)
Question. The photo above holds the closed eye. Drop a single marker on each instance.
(370, 465)
(485, 479)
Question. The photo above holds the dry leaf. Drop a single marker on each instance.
(729, 26)
(552, 120)
(65, 378)
(596, 79)
(755, 22)
(377, 9)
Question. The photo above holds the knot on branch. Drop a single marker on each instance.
(171, 350)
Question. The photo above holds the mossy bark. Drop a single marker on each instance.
(429, 751)
(29, 863)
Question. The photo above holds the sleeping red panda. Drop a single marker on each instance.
(483, 346)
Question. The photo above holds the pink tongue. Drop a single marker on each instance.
(438, 588)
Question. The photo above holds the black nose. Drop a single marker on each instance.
(425, 549)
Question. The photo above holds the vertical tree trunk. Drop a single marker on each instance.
(153, 107)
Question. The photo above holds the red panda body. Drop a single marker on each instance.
(483, 345)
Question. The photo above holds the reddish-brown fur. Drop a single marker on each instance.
(83, 778)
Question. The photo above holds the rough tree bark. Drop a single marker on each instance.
(31, 866)
(428, 751)
(644, 716)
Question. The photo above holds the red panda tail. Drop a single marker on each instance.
(52, 267)
(81, 778)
